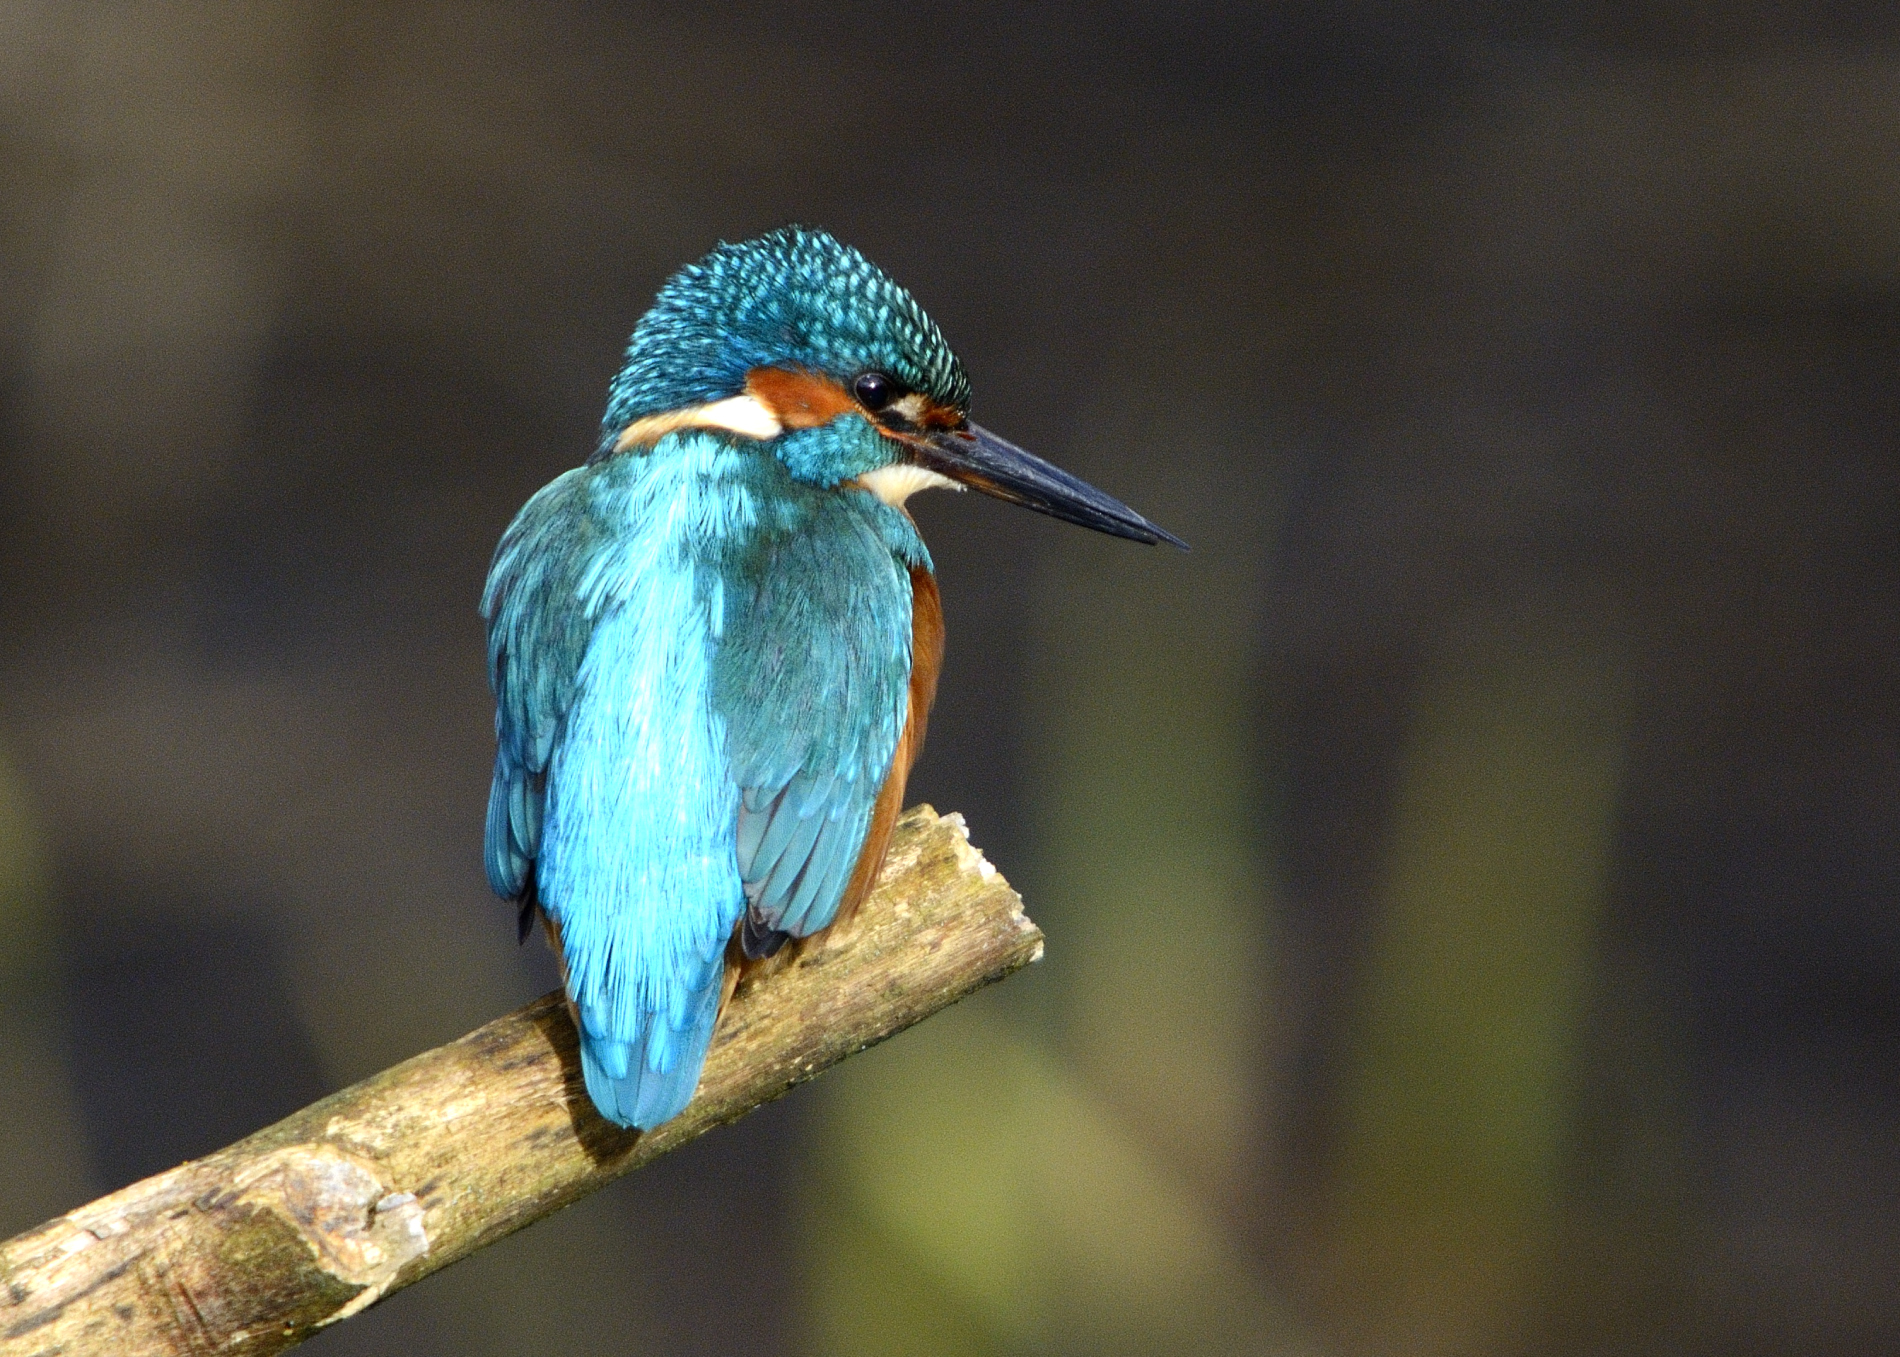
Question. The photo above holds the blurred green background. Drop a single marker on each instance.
(1470, 875)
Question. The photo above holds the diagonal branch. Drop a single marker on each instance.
(255, 1247)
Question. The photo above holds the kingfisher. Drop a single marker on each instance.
(714, 646)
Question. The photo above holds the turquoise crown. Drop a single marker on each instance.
(796, 297)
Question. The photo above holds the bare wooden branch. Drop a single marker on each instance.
(307, 1222)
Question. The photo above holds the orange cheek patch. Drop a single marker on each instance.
(801, 400)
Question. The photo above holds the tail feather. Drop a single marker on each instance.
(622, 1080)
(759, 939)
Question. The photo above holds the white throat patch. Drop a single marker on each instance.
(896, 483)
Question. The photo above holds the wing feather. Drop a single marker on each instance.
(801, 844)
(536, 638)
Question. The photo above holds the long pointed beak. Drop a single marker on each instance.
(979, 459)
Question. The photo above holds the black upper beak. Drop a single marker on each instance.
(979, 459)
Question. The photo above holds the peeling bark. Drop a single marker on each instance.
(310, 1221)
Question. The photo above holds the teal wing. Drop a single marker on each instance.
(813, 683)
(537, 636)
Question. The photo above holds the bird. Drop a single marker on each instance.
(714, 645)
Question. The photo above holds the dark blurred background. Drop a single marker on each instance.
(1469, 875)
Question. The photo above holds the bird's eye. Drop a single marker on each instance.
(874, 390)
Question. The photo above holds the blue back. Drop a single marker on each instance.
(700, 667)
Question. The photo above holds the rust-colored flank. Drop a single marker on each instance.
(926, 662)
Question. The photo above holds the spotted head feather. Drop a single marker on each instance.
(795, 298)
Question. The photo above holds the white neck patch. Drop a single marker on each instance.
(745, 415)
(896, 483)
